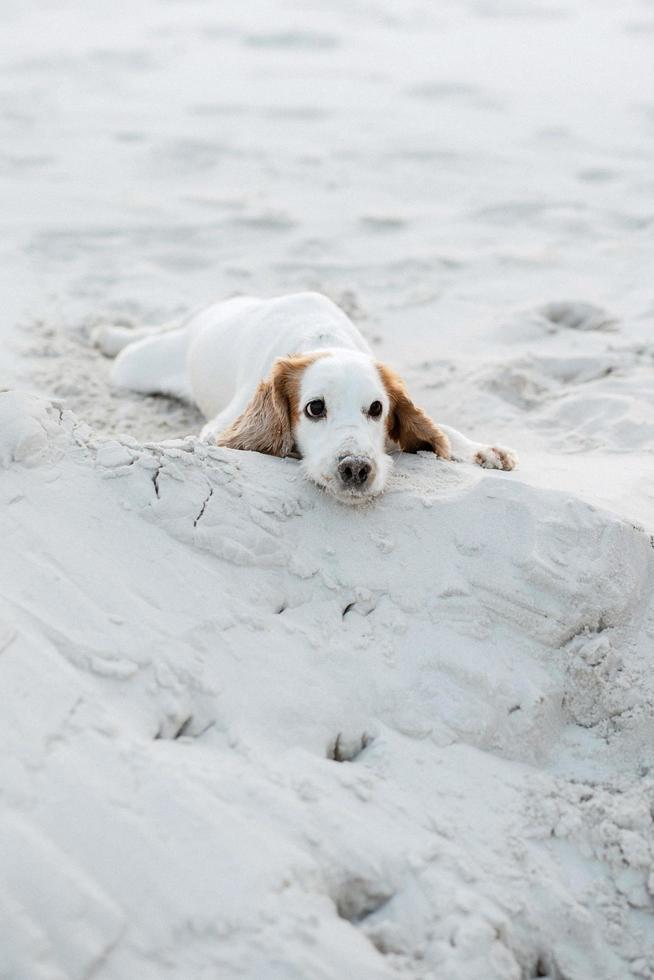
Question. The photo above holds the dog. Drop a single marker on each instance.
(290, 376)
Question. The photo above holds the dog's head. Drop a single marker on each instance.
(339, 411)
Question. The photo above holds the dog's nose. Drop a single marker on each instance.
(354, 471)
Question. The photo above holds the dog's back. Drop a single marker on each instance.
(218, 355)
(236, 343)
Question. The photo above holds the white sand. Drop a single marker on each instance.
(249, 732)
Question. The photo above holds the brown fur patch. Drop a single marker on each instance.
(408, 425)
(288, 373)
(266, 425)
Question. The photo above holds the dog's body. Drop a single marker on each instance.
(290, 376)
(218, 355)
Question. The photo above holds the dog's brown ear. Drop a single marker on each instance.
(408, 425)
(266, 425)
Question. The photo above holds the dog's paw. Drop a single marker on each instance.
(496, 458)
(110, 340)
(210, 433)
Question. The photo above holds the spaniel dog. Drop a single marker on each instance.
(290, 376)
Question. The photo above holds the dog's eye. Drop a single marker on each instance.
(315, 409)
(375, 410)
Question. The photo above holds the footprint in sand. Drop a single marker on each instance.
(578, 315)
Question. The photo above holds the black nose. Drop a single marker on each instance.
(354, 471)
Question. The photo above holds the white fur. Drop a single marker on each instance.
(218, 356)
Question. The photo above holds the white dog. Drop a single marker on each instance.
(290, 377)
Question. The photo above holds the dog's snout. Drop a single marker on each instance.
(354, 471)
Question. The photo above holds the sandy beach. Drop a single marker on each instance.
(249, 732)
